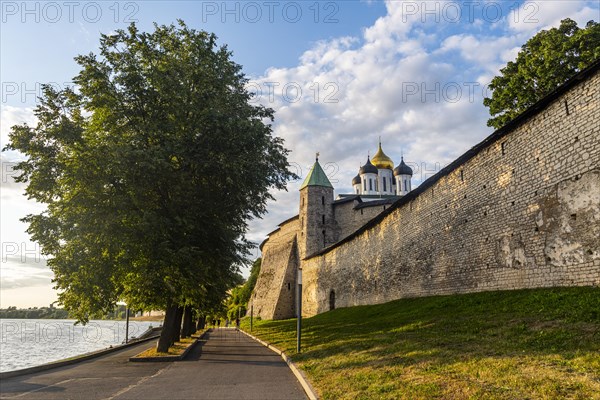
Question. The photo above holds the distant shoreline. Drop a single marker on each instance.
(158, 318)
(53, 313)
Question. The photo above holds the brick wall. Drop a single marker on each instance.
(523, 212)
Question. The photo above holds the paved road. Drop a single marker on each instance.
(228, 365)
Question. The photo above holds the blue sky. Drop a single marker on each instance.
(260, 34)
(338, 74)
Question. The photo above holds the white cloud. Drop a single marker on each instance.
(25, 279)
(28, 296)
(25, 270)
(355, 89)
(9, 117)
(375, 74)
(533, 16)
(485, 52)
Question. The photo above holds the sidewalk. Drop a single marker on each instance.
(228, 365)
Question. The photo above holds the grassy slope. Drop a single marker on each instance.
(542, 343)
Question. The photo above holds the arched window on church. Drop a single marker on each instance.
(384, 185)
(370, 184)
(324, 239)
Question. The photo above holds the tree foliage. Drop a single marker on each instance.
(545, 62)
(237, 303)
(150, 172)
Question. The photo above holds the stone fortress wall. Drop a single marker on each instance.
(520, 210)
(352, 215)
(275, 290)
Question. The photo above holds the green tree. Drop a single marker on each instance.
(545, 62)
(237, 303)
(150, 172)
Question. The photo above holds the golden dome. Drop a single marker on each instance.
(381, 161)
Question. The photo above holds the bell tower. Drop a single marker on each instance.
(316, 212)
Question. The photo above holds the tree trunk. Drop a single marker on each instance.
(166, 334)
(186, 330)
(201, 322)
(177, 326)
(193, 315)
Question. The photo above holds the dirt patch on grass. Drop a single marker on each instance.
(176, 350)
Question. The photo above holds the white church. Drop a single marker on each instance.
(379, 177)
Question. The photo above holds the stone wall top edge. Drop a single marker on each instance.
(290, 227)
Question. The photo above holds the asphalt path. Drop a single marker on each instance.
(226, 365)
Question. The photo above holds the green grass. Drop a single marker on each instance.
(525, 344)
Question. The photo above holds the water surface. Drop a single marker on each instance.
(30, 342)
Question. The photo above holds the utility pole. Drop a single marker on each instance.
(299, 308)
(251, 315)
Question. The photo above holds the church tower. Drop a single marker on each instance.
(368, 178)
(403, 174)
(385, 167)
(316, 212)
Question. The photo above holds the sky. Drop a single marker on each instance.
(339, 75)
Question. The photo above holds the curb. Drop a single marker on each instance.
(70, 361)
(308, 389)
(168, 358)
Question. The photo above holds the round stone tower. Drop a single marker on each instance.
(316, 212)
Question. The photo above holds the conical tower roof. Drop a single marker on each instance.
(316, 177)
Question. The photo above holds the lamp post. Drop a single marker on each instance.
(251, 315)
(126, 324)
(299, 309)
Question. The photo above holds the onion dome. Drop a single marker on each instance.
(368, 168)
(356, 180)
(381, 160)
(403, 169)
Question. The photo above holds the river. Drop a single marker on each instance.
(29, 342)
